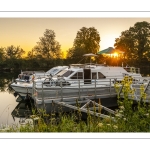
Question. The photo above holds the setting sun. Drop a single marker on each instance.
(115, 54)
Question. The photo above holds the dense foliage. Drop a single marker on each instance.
(134, 42)
(87, 41)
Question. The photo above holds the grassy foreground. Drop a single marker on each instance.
(127, 118)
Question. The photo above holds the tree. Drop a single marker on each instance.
(87, 41)
(48, 47)
(2, 54)
(135, 42)
(13, 52)
(14, 56)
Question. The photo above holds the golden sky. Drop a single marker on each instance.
(25, 32)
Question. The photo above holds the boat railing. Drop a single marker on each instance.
(89, 65)
(71, 89)
(79, 89)
(132, 69)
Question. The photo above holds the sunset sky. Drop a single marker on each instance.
(25, 32)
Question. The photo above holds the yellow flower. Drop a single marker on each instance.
(124, 119)
(147, 114)
(121, 107)
(120, 111)
(115, 127)
(118, 115)
(108, 124)
(100, 124)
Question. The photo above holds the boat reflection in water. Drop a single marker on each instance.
(24, 108)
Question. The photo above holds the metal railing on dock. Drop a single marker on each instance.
(77, 89)
(67, 93)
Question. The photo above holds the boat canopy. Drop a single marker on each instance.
(90, 54)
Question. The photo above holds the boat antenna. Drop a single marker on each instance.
(127, 65)
(80, 60)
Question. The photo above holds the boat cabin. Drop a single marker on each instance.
(88, 72)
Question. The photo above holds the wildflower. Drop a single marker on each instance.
(118, 115)
(108, 124)
(120, 111)
(147, 114)
(115, 127)
(122, 107)
(108, 119)
(100, 124)
(33, 116)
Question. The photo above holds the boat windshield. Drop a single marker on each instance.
(54, 71)
(64, 73)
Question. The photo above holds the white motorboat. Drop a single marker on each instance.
(87, 74)
(24, 82)
(81, 81)
(84, 77)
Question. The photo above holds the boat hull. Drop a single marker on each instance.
(22, 89)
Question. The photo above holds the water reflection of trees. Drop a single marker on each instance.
(6, 80)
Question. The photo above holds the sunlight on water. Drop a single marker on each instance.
(7, 105)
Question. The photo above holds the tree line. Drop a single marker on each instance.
(134, 42)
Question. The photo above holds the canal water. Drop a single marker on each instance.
(9, 114)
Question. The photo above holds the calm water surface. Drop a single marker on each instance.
(8, 100)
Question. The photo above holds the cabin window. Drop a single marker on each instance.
(127, 69)
(94, 75)
(26, 77)
(53, 71)
(46, 81)
(100, 75)
(62, 72)
(78, 75)
(68, 73)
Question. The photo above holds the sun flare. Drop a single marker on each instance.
(115, 54)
